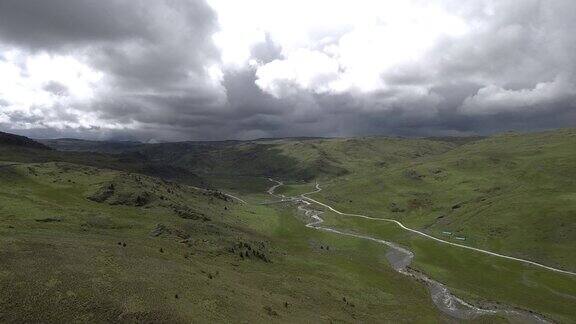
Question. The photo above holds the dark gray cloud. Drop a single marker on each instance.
(155, 73)
(38, 24)
(56, 88)
(267, 51)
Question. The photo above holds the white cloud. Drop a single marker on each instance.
(25, 82)
(187, 69)
(402, 50)
(494, 99)
(363, 39)
(304, 69)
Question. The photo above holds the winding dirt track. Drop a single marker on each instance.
(318, 189)
(234, 197)
(225, 194)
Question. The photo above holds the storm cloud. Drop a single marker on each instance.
(196, 70)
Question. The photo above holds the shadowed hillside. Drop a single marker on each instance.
(71, 144)
(7, 139)
(290, 159)
(33, 152)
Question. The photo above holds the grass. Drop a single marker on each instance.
(512, 193)
(64, 257)
(476, 277)
(296, 189)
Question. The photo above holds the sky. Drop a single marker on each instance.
(173, 70)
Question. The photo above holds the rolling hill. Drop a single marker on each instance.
(509, 193)
(7, 139)
(156, 249)
(80, 243)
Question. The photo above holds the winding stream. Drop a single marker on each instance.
(400, 259)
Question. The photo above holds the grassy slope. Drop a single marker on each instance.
(477, 277)
(77, 145)
(61, 258)
(12, 140)
(510, 193)
(221, 158)
(286, 159)
(356, 154)
(129, 161)
(506, 188)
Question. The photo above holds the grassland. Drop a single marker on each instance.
(63, 227)
(478, 278)
(72, 251)
(510, 193)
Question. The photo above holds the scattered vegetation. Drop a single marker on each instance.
(114, 233)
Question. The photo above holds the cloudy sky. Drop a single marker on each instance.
(168, 70)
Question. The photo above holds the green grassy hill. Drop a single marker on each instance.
(101, 237)
(33, 152)
(86, 244)
(512, 193)
(290, 159)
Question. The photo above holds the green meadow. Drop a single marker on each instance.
(68, 258)
(100, 237)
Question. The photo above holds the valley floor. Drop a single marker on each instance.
(484, 278)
